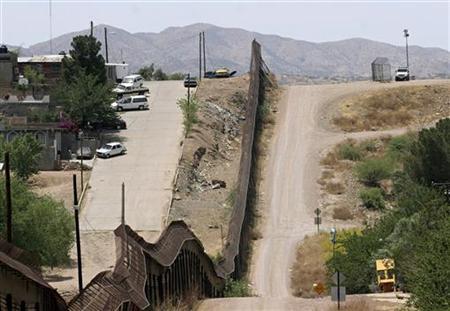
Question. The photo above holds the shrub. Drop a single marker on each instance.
(236, 288)
(372, 171)
(399, 147)
(334, 187)
(42, 226)
(349, 151)
(372, 198)
(342, 213)
(25, 153)
(189, 110)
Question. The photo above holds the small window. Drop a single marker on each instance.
(127, 100)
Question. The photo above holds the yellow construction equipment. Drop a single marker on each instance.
(385, 274)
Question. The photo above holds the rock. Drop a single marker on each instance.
(198, 154)
(177, 197)
(218, 184)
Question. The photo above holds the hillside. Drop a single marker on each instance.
(176, 49)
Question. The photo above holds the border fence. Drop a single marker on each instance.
(147, 275)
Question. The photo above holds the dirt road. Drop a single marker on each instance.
(291, 192)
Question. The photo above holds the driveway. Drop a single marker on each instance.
(153, 142)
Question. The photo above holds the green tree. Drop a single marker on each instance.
(34, 77)
(189, 110)
(430, 159)
(147, 72)
(41, 225)
(159, 75)
(86, 100)
(84, 59)
(25, 153)
(176, 76)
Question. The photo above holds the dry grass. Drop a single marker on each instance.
(309, 267)
(342, 213)
(393, 108)
(334, 188)
(359, 304)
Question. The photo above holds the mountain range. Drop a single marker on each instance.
(175, 49)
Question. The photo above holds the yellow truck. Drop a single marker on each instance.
(385, 274)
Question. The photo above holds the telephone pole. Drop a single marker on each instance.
(199, 55)
(106, 45)
(204, 54)
(77, 233)
(92, 28)
(8, 199)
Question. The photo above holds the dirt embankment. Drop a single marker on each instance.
(397, 107)
(205, 186)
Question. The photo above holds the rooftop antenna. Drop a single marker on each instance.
(51, 26)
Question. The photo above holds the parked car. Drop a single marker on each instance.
(84, 153)
(402, 74)
(133, 102)
(190, 82)
(111, 149)
(113, 124)
(132, 82)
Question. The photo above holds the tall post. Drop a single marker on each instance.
(405, 31)
(77, 233)
(50, 24)
(81, 161)
(106, 45)
(92, 28)
(204, 53)
(123, 204)
(8, 199)
(199, 55)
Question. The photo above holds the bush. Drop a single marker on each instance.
(399, 147)
(42, 226)
(236, 288)
(349, 151)
(430, 160)
(189, 110)
(372, 171)
(25, 152)
(372, 198)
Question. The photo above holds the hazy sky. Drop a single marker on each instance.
(27, 22)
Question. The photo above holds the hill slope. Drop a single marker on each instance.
(176, 49)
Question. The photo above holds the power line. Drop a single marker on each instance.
(1, 21)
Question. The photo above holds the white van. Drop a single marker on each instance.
(133, 102)
(132, 82)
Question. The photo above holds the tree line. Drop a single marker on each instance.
(415, 232)
(150, 73)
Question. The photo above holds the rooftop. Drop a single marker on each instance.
(41, 59)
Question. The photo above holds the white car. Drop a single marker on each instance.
(133, 102)
(111, 149)
(132, 82)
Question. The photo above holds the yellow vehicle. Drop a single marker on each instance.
(220, 73)
(385, 274)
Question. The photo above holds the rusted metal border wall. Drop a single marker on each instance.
(235, 253)
(146, 274)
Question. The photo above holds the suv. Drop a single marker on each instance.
(132, 82)
(133, 102)
(111, 124)
(402, 74)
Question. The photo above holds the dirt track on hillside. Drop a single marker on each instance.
(291, 192)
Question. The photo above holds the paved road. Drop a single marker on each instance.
(153, 142)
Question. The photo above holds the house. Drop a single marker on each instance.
(49, 65)
(21, 284)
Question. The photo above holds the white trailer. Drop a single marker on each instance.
(116, 71)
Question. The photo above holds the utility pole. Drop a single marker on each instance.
(106, 45)
(123, 204)
(199, 55)
(81, 160)
(51, 26)
(8, 199)
(204, 54)
(92, 28)
(77, 233)
(406, 34)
